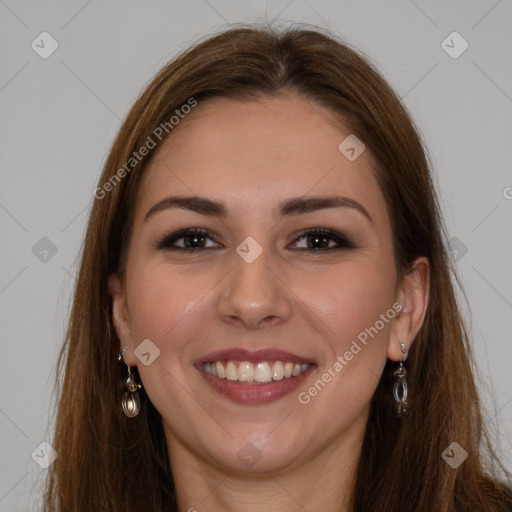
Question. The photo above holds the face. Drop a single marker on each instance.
(264, 317)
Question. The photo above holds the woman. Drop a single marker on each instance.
(264, 316)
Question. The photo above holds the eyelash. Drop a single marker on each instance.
(167, 241)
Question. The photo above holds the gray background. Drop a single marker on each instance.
(59, 116)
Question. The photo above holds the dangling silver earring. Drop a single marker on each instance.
(400, 386)
(131, 401)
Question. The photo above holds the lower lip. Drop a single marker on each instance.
(244, 393)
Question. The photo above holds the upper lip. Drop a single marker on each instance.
(253, 356)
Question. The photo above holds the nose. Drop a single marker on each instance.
(254, 295)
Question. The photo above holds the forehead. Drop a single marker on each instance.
(257, 153)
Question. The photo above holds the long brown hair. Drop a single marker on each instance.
(110, 463)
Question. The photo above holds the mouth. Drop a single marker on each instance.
(254, 377)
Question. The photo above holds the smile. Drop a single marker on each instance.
(254, 377)
(262, 372)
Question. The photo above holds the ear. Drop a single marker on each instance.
(121, 317)
(412, 294)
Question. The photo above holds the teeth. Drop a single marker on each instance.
(277, 371)
(231, 371)
(221, 372)
(245, 372)
(262, 372)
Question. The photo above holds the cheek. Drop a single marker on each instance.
(166, 309)
(349, 299)
(356, 305)
(341, 302)
(163, 299)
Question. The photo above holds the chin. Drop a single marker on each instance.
(254, 453)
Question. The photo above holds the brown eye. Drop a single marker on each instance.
(189, 240)
(322, 240)
(314, 240)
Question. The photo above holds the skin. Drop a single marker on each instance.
(253, 155)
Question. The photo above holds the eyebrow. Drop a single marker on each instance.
(293, 206)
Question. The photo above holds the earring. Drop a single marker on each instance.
(400, 386)
(131, 401)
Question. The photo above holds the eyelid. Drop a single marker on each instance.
(343, 240)
(166, 242)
